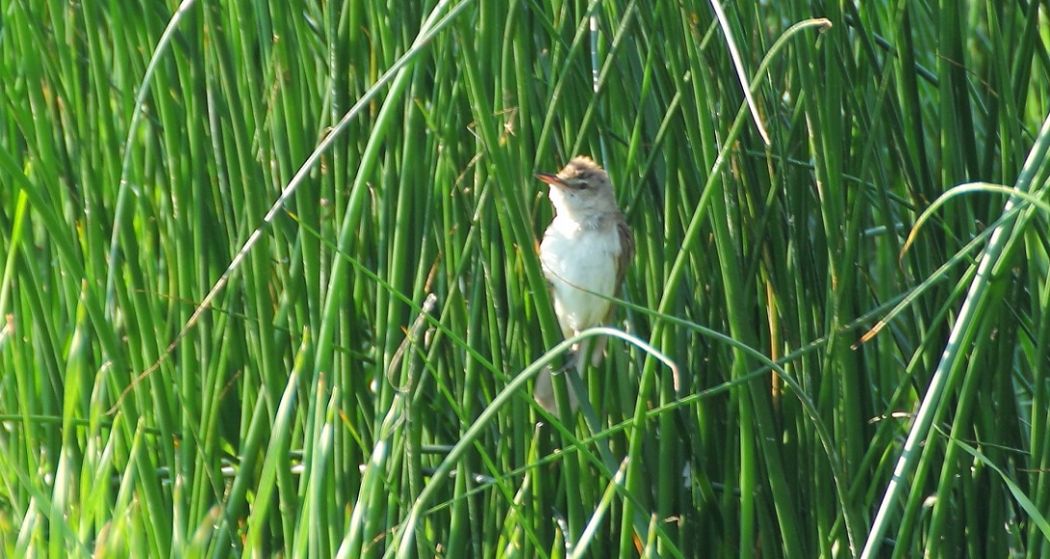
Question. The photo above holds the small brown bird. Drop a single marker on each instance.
(585, 251)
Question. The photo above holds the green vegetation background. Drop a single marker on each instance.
(269, 281)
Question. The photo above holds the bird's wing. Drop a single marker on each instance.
(624, 260)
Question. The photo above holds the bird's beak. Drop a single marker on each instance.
(550, 179)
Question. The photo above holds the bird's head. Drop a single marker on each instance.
(581, 189)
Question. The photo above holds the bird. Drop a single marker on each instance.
(584, 255)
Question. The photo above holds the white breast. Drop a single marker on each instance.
(575, 257)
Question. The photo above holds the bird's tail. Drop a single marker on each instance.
(577, 363)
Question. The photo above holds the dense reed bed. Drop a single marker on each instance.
(270, 283)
